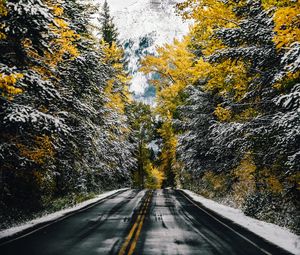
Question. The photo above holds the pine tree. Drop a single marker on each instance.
(108, 30)
(59, 135)
(251, 51)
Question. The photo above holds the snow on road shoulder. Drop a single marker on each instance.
(54, 216)
(271, 232)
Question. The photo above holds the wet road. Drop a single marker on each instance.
(142, 222)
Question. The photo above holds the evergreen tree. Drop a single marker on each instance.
(237, 128)
(108, 30)
(252, 134)
(63, 127)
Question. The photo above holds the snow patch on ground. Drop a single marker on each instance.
(54, 216)
(271, 232)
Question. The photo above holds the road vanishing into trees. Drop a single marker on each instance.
(141, 222)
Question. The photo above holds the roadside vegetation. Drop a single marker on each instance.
(228, 96)
(226, 121)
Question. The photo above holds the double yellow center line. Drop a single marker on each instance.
(135, 230)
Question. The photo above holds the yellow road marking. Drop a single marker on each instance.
(128, 238)
(140, 219)
(137, 234)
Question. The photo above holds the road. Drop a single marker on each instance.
(142, 222)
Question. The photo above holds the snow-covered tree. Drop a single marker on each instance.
(62, 132)
(108, 29)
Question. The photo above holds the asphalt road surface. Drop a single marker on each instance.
(142, 222)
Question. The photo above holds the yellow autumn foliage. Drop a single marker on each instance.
(3, 13)
(274, 184)
(173, 63)
(113, 55)
(2, 36)
(287, 25)
(294, 180)
(7, 84)
(208, 15)
(41, 150)
(247, 114)
(177, 68)
(228, 79)
(62, 46)
(287, 21)
(170, 141)
(57, 10)
(223, 114)
(115, 100)
(214, 184)
(270, 180)
(245, 184)
(3, 9)
(154, 178)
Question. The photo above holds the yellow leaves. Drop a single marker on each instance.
(245, 171)
(40, 151)
(247, 114)
(294, 180)
(61, 48)
(212, 13)
(208, 15)
(274, 184)
(2, 36)
(228, 79)
(245, 184)
(287, 21)
(223, 114)
(172, 63)
(170, 141)
(63, 44)
(7, 84)
(31, 52)
(154, 177)
(173, 69)
(267, 4)
(113, 56)
(158, 175)
(178, 67)
(3, 9)
(215, 182)
(285, 81)
(62, 24)
(115, 98)
(287, 25)
(3, 13)
(58, 10)
(271, 182)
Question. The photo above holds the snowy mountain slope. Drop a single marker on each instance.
(136, 18)
(143, 25)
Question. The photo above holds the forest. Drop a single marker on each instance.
(225, 123)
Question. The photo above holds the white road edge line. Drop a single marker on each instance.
(240, 235)
(60, 219)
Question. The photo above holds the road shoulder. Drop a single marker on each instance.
(270, 232)
(34, 225)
